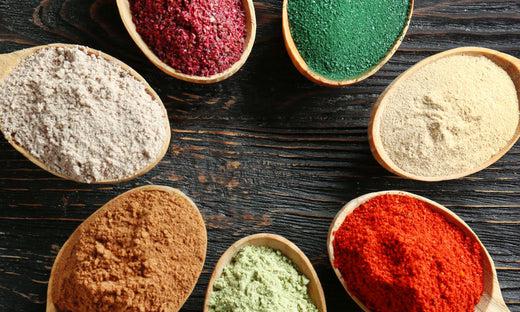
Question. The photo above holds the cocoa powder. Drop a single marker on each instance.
(143, 251)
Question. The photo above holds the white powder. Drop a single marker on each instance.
(84, 117)
(449, 117)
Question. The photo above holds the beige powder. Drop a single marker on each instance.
(449, 117)
(83, 116)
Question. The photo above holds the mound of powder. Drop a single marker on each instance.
(143, 252)
(397, 253)
(345, 39)
(196, 37)
(83, 116)
(261, 279)
(449, 117)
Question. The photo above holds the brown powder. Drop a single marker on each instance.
(142, 252)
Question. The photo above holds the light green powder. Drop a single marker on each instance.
(261, 279)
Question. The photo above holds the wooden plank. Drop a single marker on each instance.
(265, 151)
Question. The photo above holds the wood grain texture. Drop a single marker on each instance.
(264, 151)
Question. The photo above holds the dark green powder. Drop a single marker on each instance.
(342, 39)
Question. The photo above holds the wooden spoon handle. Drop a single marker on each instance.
(497, 306)
(496, 302)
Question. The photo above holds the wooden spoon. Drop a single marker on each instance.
(304, 69)
(9, 61)
(509, 63)
(491, 300)
(287, 248)
(174, 192)
(126, 16)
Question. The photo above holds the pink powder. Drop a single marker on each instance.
(198, 37)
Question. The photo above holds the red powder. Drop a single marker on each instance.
(195, 37)
(397, 254)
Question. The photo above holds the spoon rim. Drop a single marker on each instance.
(374, 136)
(125, 13)
(50, 307)
(300, 64)
(490, 285)
(21, 54)
(228, 255)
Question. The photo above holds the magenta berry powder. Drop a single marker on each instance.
(197, 37)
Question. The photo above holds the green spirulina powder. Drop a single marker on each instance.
(342, 39)
(260, 279)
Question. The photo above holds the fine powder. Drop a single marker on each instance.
(449, 117)
(397, 254)
(144, 252)
(344, 39)
(197, 37)
(260, 279)
(83, 116)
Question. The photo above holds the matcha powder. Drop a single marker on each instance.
(342, 39)
(261, 279)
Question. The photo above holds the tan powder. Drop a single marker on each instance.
(449, 117)
(141, 252)
(83, 116)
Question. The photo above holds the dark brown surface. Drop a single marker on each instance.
(265, 151)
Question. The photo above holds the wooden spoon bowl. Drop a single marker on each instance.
(168, 190)
(126, 15)
(304, 69)
(9, 61)
(288, 249)
(491, 299)
(507, 62)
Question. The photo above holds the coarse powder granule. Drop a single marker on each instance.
(397, 253)
(144, 252)
(83, 116)
(261, 279)
(449, 117)
(196, 37)
(342, 39)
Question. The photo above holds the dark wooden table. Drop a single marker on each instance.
(265, 151)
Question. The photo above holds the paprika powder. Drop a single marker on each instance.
(397, 253)
(198, 37)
